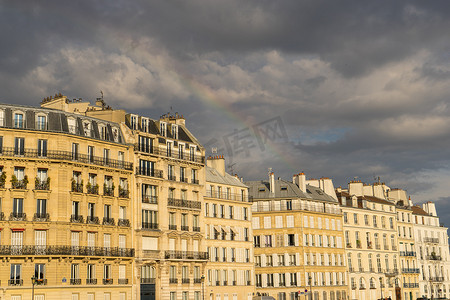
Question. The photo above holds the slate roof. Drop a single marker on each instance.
(212, 175)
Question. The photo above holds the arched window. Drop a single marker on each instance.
(362, 283)
(379, 263)
(372, 283)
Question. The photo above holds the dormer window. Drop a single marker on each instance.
(87, 128)
(163, 128)
(175, 131)
(103, 132)
(134, 122)
(2, 118)
(72, 125)
(115, 132)
(41, 123)
(18, 120)
(144, 124)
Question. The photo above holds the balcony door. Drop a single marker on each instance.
(40, 240)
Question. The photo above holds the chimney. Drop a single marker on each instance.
(430, 208)
(355, 187)
(300, 180)
(272, 183)
(218, 163)
(328, 187)
(410, 201)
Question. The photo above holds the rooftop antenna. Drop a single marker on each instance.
(231, 167)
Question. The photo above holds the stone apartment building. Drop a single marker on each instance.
(228, 232)
(298, 239)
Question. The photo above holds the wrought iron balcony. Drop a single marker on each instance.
(411, 271)
(18, 216)
(41, 185)
(196, 228)
(172, 177)
(148, 280)
(436, 279)
(149, 199)
(2, 216)
(173, 280)
(76, 219)
(184, 228)
(77, 187)
(109, 221)
(194, 181)
(108, 191)
(227, 196)
(92, 189)
(19, 184)
(69, 156)
(41, 217)
(15, 282)
(108, 281)
(197, 280)
(185, 280)
(407, 253)
(124, 193)
(172, 227)
(434, 257)
(173, 254)
(6, 250)
(431, 240)
(92, 220)
(91, 281)
(123, 222)
(184, 203)
(149, 172)
(42, 281)
(75, 281)
(122, 281)
(147, 226)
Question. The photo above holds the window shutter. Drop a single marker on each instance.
(296, 240)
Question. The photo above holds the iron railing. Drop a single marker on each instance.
(91, 281)
(76, 219)
(226, 196)
(174, 254)
(407, 253)
(16, 216)
(42, 186)
(41, 217)
(66, 250)
(174, 154)
(148, 280)
(150, 199)
(109, 221)
(123, 222)
(69, 156)
(184, 203)
(149, 225)
(149, 172)
(92, 220)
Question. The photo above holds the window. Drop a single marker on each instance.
(41, 123)
(355, 218)
(149, 193)
(75, 151)
(391, 222)
(107, 272)
(366, 220)
(16, 274)
(17, 206)
(39, 272)
(149, 219)
(375, 221)
(345, 217)
(163, 128)
(183, 174)
(19, 146)
(42, 148)
(41, 208)
(174, 131)
(18, 120)
(106, 156)
(170, 172)
(169, 149)
(90, 273)
(291, 240)
(74, 271)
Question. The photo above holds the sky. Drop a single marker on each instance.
(339, 89)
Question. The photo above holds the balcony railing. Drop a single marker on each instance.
(434, 257)
(91, 281)
(150, 199)
(410, 285)
(148, 280)
(16, 216)
(410, 271)
(77, 187)
(197, 280)
(431, 240)
(41, 217)
(184, 228)
(92, 189)
(172, 227)
(173, 280)
(76, 219)
(196, 228)
(122, 281)
(149, 225)
(124, 193)
(436, 279)
(185, 280)
(42, 281)
(295, 206)
(109, 221)
(19, 184)
(69, 156)
(75, 281)
(15, 282)
(123, 222)
(184, 203)
(172, 254)
(226, 196)
(66, 250)
(2, 216)
(92, 220)
(41, 185)
(149, 172)
(194, 181)
(171, 177)
(108, 191)
(108, 281)
(407, 253)
(174, 154)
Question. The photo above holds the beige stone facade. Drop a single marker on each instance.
(229, 238)
(298, 238)
(370, 229)
(63, 220)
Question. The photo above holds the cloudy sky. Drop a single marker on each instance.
(340, 89)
